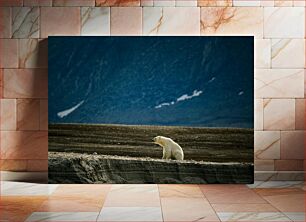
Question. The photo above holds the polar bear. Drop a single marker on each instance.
(171, 150)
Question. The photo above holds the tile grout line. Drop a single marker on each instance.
(267, 202)
(161, 208)
(209, 202)
(104, 202)
(278, 210)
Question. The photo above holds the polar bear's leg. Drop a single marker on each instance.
(167, 151)
(169, 156)
(178, 156)
(164, 154)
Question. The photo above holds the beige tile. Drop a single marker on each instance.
(285, 199)
(283, 3)
(118, 3)
(289, 165)
(37, 2)
(263, 207)
(28, 53)
(171, 21)
(24, 145)
(279, 83)
(52, 16)
(299, 3)
(246, 3)
(182, 190)
(163, 3)
(95, 21)
(292, 145)
(230, 194)
(252, 216)
(305, 82)
(263, 53)
(25, 83)
(296, 216)
(267, 145)
(63, 216)
(133, 195)
(8, 114)
(25, 22)
(284, 22)
(43, 114)
(186, 3)
(232, 20)
(146, 2)
(279, 114)
(267, 3)
(264, 165)
(211, 3)
(126, 21)
(300, 114)
(27, 114)
(1, 83)
(276, 184)
(13, 165)
(5, 3)
(93, 191)
(8, 53)
(187, 209)
(73, 2)
(258, 118)
(33, 53)
(18, 208)
(71, 204)
(37, 165)
(266, 192)
(283, 50)
(142, 214)
(5, 22)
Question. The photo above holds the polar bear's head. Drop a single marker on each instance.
(160, 140)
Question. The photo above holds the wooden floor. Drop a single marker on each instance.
(268, 201)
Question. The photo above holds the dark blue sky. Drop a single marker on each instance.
(182, 81)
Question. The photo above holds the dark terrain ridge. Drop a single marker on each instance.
(84, 168)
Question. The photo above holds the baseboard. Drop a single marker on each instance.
(279, 175)
(35, 177)
(42, 177)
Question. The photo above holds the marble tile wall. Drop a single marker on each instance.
(278, 27)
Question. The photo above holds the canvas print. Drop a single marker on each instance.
(151, 109)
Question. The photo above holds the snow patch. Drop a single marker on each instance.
(66, 112)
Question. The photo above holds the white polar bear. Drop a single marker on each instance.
(171, 150)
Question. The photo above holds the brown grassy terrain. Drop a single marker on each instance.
(200, 144)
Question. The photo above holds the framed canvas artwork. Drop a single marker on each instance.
(151, 109)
